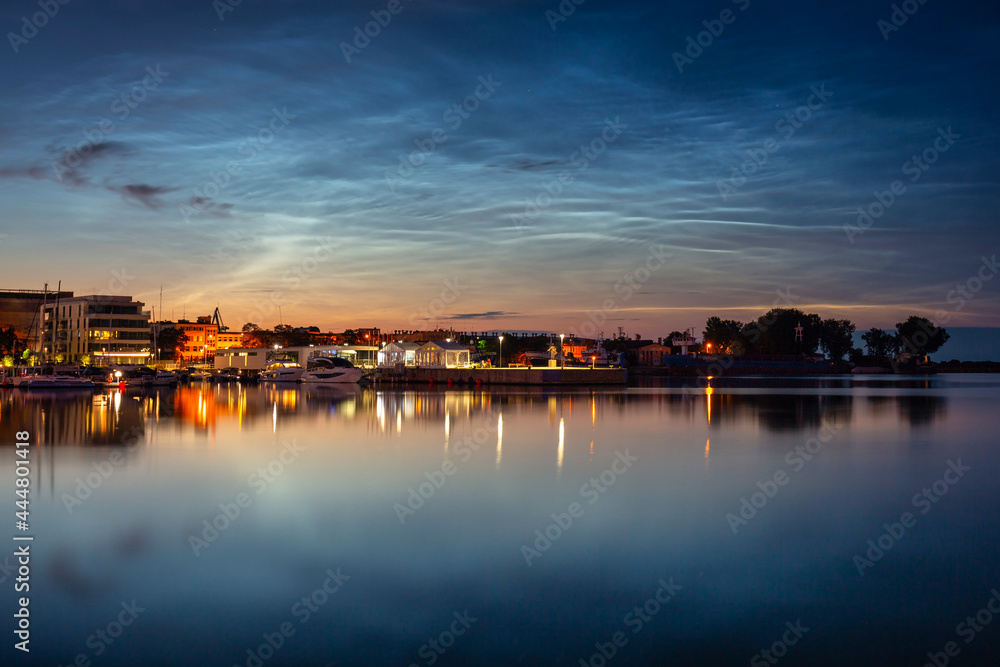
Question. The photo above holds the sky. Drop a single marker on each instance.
(505, 165)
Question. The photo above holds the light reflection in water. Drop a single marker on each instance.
(559, 455)
(660, 517)
(499, 438)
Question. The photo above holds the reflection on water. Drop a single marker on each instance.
(785, 404)
(324, 473)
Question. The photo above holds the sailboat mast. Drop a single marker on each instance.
(55, 322)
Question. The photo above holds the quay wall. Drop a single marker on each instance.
(533, 376)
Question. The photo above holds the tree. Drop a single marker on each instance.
(774, 332)
(617, 345)
(881, 344)
(724, 335)
(919, 336)
(169, 341)
(254, 336)
(9, 342)
(836, 339)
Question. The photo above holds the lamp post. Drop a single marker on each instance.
(500, 353)
(562, 355)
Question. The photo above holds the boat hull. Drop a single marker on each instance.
(284, 375)
(332, 376)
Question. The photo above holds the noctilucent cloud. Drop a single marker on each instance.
(505, 164)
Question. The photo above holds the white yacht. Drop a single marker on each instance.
(282, 371)
(56, 381)
(331, 370)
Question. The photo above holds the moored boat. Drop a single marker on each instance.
(282, 372)
(331, 370)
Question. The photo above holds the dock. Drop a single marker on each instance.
(507, 376)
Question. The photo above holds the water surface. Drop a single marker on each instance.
(418, 510)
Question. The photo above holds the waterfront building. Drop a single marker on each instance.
(578, 348)
(20, 308)
(252, 358)
(443, 354)
(227, 339)
(100, 328)
(396, 353)
(204, 338)
(651, 355)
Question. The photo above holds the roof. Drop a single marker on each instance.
(444, 345)
(402, 345)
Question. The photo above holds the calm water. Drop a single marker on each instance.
(418, 512)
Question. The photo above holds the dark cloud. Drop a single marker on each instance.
(147, 195)
(488, 315)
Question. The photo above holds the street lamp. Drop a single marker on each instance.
(500, 353)
(562, 355)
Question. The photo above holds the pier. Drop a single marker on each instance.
(493, 376)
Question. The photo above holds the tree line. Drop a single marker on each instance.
(774, 333)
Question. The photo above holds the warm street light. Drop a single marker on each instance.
(562, 354)
(500, 354)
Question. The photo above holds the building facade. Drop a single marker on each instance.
(20, 308)
(204, 339)
(100, 329)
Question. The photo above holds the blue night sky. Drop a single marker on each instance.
(325, 214)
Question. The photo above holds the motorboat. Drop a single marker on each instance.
(56, 381)
(200, 376)
(226, 375)
(162, 379)
(331, 370)
(282, 371)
